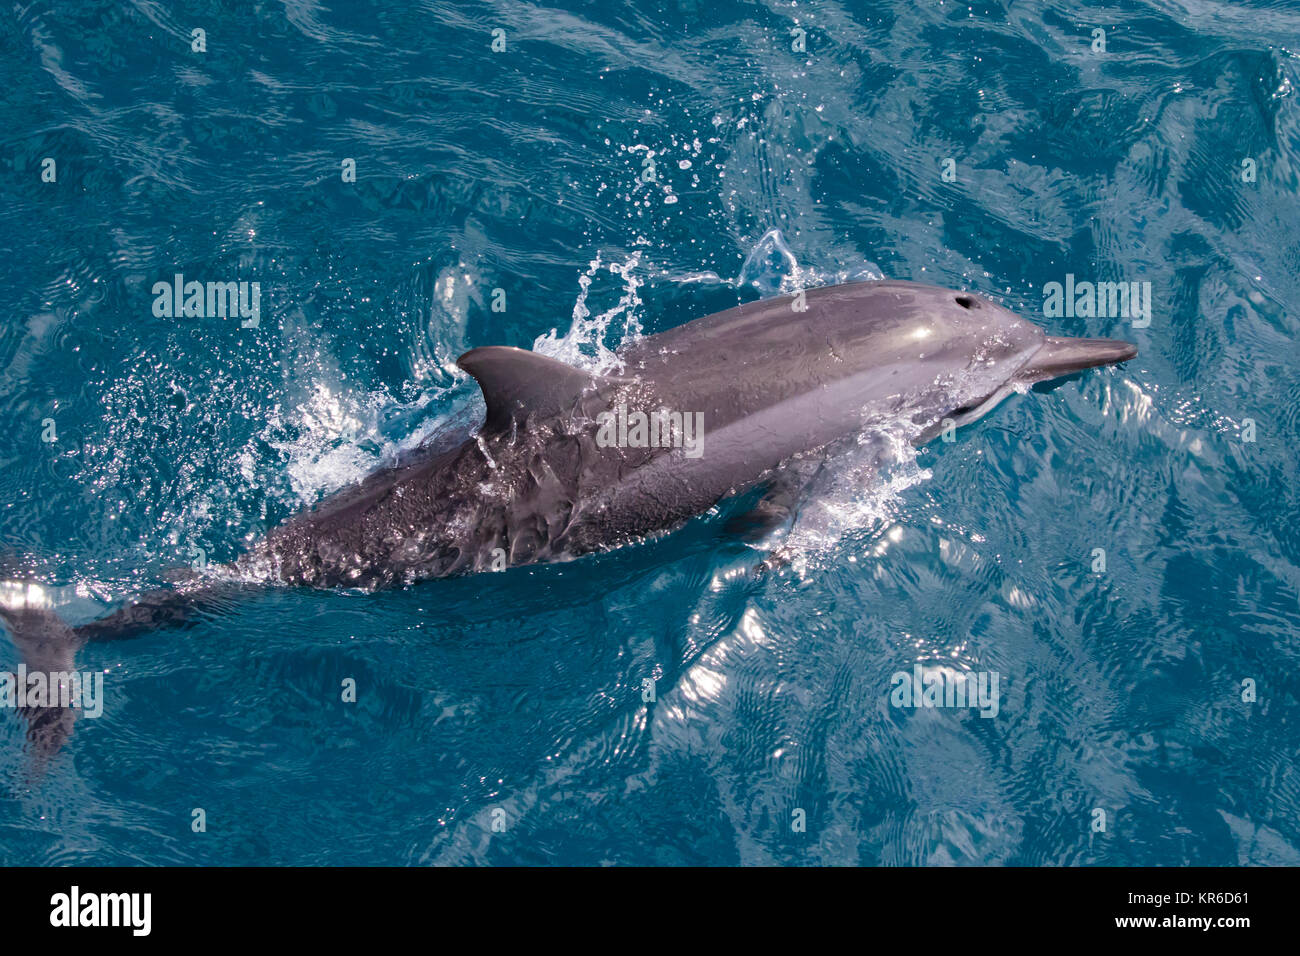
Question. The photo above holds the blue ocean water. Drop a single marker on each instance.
(1122, 550)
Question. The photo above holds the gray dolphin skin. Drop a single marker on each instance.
(765, 385)
(767, 382)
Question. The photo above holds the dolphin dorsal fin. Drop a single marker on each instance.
(517, 383)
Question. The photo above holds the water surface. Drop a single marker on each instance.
(518, 697)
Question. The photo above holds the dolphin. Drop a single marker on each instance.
(567, 462)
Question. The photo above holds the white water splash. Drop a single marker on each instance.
(337, 438)
(592, 340)
(443, 335)
(860, 488)
(771, 268)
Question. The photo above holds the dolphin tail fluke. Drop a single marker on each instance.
(163, 608)
(48, 647)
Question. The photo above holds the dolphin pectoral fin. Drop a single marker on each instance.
(517, 383)
(760, 520)
(779, 503)
(776, 559)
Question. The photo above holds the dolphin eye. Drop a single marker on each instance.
(966, 302)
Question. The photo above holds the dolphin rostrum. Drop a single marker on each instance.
(567, 462)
